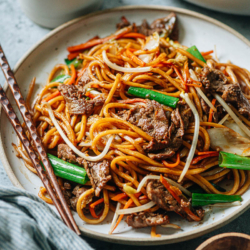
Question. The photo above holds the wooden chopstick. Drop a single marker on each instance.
(56, 193)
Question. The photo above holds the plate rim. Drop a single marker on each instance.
(119, 239)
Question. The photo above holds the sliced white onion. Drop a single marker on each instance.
(232, 114)
(123, 69)
(226, 204)
(69, 143)
(200, 92)
(118, 206)
(155, 177)
(231, 124)
(172, 226)
(85, 144)
(196, 134)
(136, 209)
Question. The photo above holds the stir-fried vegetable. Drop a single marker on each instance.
(208, 199)
(195, 52)
(68, 170)
(76, 62)
(229, 141)
(152, 95)
(61, 78)
(227, 160)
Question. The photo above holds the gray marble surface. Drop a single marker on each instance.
(18, 34)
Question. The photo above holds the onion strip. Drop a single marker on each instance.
(226, 204)
(196, 135)
(172, 226)
(155, 177)
(136, 209)
(122, 69)
(68, 142)
(232, 114)
(203, 96)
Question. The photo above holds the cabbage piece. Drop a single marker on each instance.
(234, 126)
(227, 140)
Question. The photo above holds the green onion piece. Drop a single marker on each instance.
(196, 53)
(76, 62)
(227, 160)
(68, 170)
(197, 189)
(153, 95)
(208, 199)
(61, 78)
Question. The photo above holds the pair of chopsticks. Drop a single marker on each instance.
(50, 183)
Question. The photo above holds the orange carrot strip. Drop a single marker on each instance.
(92, 43)
(72, 56)
(210, 117)
(144, 197)
(172, 165)
(73, 76)
(181, 78)
(96, 202)
(206, 152)
(92, 212)
(134, 35)
(55, 94)
(135, 58)
(207, 53)
(201, 157)
(119, 197)
(178, 199)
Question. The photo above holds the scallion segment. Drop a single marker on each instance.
(196, 53)
(61, 78)
(153, 95)
(209, 199)
(76, 62)
(228, 160)
(68, 170)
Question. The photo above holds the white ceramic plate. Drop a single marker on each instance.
(194, 29)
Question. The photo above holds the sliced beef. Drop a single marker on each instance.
(98, 172)
(216, 82)
(77, 191)
(165, 128)
(145, 219)
(75, 99)
(124, 23)
(84, 79)
(166, 26)
(158, 193)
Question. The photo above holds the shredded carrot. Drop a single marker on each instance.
(172, 165)
(73, 75)
(119, 197)
(210, 117)
(133, 100)
(134, 35)
(92, 212)
(207, 53)
(55, 94)
(144, 197)
(96, 202)
(153, 232)
(181, 78)
(90, 95)
(201, 157)
(72, 56)
(92, 43)
(206, 152)
(95, 86)
(135, 58)
(127, 205)
(178, 199)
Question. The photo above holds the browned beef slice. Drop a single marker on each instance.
(145, 219)
(157, 193)
(166, 129)
(84, 79)
(124, 23)
(65, 153)
(216, 82)
(77, 191)
(75, 100)
(98, 172)
(166, 25)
